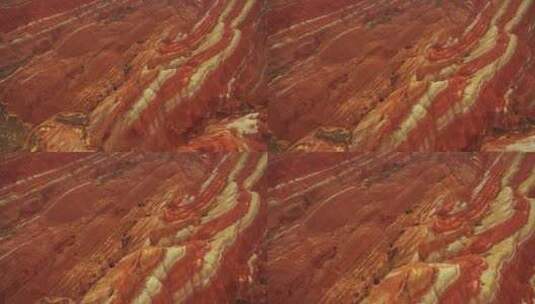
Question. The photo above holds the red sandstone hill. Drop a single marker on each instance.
(401, 228)
(133, 75)
(400, 75)
(314, 75)
(130, 228)
(315, 228)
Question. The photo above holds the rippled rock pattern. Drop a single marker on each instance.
(401, 228)
(120, 75)
(401, 75)
(267, 151)
(130, 228)
(235, 75)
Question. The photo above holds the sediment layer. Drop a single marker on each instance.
(401, 228)
(131, 228)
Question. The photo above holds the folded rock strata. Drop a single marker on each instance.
(401, 228)
(195, 77)
(326, 76)
(144, 75)
(399, 75)
(130, 228)
(341, 227)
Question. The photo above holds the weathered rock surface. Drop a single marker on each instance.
(523, 141)
(143, 75)
(357, 75)
(399, 75)
(341, 228)
(130, 228)
(401, 228)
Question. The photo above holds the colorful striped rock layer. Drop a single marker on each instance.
(120, 75)
(315, 228)
(402, 75)
(131, 228)
(401, 228)
(236, 75)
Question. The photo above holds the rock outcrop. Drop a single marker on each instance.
(130, 228)
(401, 228)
